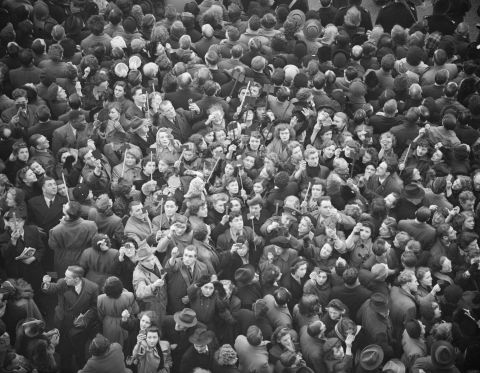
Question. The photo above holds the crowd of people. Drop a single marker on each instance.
(238, 186)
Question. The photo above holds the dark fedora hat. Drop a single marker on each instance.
(201, 337)
(443, 355)
(186, 317)
(413, 192)
(371, 357)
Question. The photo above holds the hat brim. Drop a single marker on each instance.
(176, 317)
(204, 339)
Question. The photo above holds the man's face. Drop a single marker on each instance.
(119, 91)
(382, 169)
(468, 204)
(21, 102)
(37, 168)
(50, 187)
(30, 177)
(43, 143)
(79, 123)
(170, 208)
(137, 211)
(169, 111)
(312, 159)
(140, 97)
(70, 278)
(317, 190)
(413, 284)
(338, 122)
(237, 223)
(189, 257)
(254, 143)
(326, 208)
(255, 210)
(284, 135)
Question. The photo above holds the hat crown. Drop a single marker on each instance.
(187, 315)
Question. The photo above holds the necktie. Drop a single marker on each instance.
(190, 269)
(50, 203)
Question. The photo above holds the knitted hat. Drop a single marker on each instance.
(119, 42)
(80, 192)
(312, 29)
(150, 69)
(227, 355)
(379, 271)
(413, 329)
(290, 72)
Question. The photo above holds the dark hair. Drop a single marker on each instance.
(74, 210)
(423, 214)
(350, 276)
(113, 287)
(309, 305)
(25, 56)
(282, 296)
(96, 24)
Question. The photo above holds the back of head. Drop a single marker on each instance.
(254, 335)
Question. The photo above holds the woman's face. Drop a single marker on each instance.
(301, 271)
(437, 156)
(145, 322)
(317, 190)
(119, 91)
(30, 177)
(258, 188)
(437, 312)
(229, 169)
(426, 281)
(202, 211)
(384, 231)
(367, 157)
(457, 184)
(219, 206)
(338, 352)
(421, 151)
(233, 187)
(370, 170)
(387, 143)
(334, 313)
(162, 166)
(297, 153)
(220, 136)
(149, 168)
(321, 278)
(23, 154)
(207, 290)
(329, 151)
(327, 136)
(113, 114)
(469, 223)
(286, 340)
(390, 201)
(365, 233)
(242, 250)
(235, 206)
(284, 135)
(209, 137)
(472, 247)
(248, 162)
(303, 226)
(10, 199)
(152, 339)
(163, 138)
(326, 251)
(254, 143)
(130, 160)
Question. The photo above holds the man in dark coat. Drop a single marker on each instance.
(181, 97)
(75, 314)
(45, 125)
(398, 12)
(312, 338)
(181, 273)
(179, 121)
(200, 353)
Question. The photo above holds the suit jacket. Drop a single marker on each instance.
(179, 279)
(46, 129)
(43, 216)
(64, 137)
(71, 305)
(182, 125)
(134, 111)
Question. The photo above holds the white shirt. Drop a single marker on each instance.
(78, 288)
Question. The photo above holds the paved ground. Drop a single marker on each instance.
(471, 18)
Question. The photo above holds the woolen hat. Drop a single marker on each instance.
(443, 355)
(371, 357)
(201, 337)
(186, 317)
